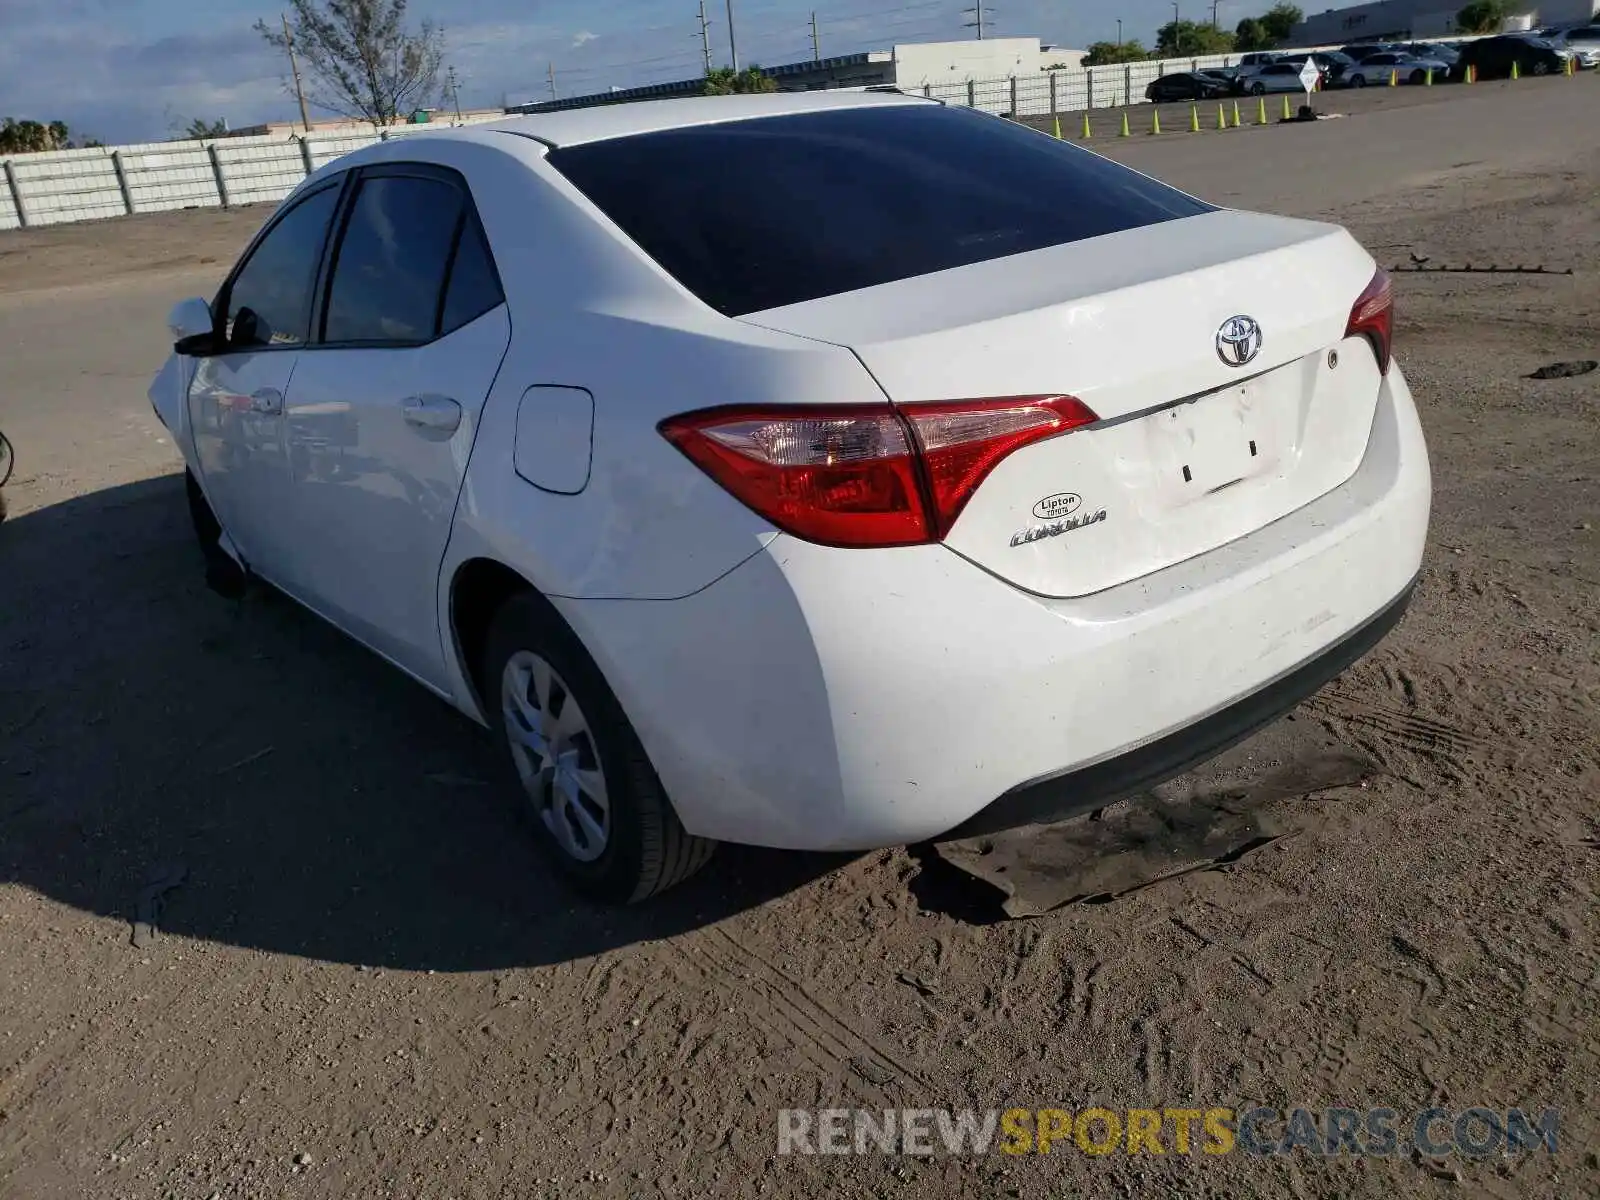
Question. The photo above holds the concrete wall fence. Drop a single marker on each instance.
(61, 186)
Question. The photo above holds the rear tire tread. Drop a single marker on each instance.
(667, 853)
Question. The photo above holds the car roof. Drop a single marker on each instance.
(576, 126)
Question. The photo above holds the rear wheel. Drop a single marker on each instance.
(1418, 76)
(1258, 89)
(1358, 81)
(584, 787)
(1541, 68)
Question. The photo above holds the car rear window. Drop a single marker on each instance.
(756, 214)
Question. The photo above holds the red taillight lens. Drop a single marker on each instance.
(865, 475)
(961, 442)
(839, 476)
(1373, 318)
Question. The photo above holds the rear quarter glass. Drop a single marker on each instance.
(756, 214)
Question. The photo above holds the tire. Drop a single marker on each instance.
(1358, 81)
(643, 848)
(1419, 77)
(224, 576)
(1541, 68)
(1258, 89)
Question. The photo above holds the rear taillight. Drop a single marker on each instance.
(1373, 318)
(866, 475)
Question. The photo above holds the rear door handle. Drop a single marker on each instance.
(266, 401)
(432, 412)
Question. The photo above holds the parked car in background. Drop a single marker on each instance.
(1493, 57)
(1361, 50)
(1438, 51)
(1274, 77)
(1185, 85)
(1335, 65)
(1258, 58)
(1582, 41)
(1226, 76)
(1380, 69)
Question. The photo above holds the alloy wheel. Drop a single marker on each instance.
(556, 756)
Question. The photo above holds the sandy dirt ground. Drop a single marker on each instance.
(361, 985)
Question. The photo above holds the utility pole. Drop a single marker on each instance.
(977, 23)
(1215, 4)
(1177, 34)
(733, 42)
(705, 37)
(816, 43)
(553, 95)
(1119, 34)
(294, 69)
(455, 93)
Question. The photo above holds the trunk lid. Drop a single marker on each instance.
(1191, 451)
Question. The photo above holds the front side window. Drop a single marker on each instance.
(269, 303)
(389, 273)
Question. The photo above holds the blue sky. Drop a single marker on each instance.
(125, 70)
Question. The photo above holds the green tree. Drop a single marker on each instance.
(1481, 16)
(1251, 34)
(33, 137)
(361, 58)
(201, 128)
(1280, 20)
(1105, 53)
(1186, 39)
(724, 81)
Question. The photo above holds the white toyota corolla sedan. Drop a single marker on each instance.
(822, 471)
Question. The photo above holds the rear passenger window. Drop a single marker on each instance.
(474, 286)
(390, 269)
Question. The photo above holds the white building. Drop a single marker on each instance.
(911, 66)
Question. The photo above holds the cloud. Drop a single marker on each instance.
(581, 37)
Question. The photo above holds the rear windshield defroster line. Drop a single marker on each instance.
(756, 214)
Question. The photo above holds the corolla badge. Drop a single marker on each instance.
(1238, 340)
(1062, 504)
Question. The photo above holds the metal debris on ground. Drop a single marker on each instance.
(1417, 268)
(1200, 821)
(1565, 370)
(247, 760)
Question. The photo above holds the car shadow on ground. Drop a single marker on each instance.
(310, 799)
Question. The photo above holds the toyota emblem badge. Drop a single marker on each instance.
(1238, 341)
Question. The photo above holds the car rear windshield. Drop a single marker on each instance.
(756, 214)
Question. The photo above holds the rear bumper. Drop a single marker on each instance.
(826, 699)
(1075, 791)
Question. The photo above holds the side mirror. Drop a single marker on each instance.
(191, 325)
